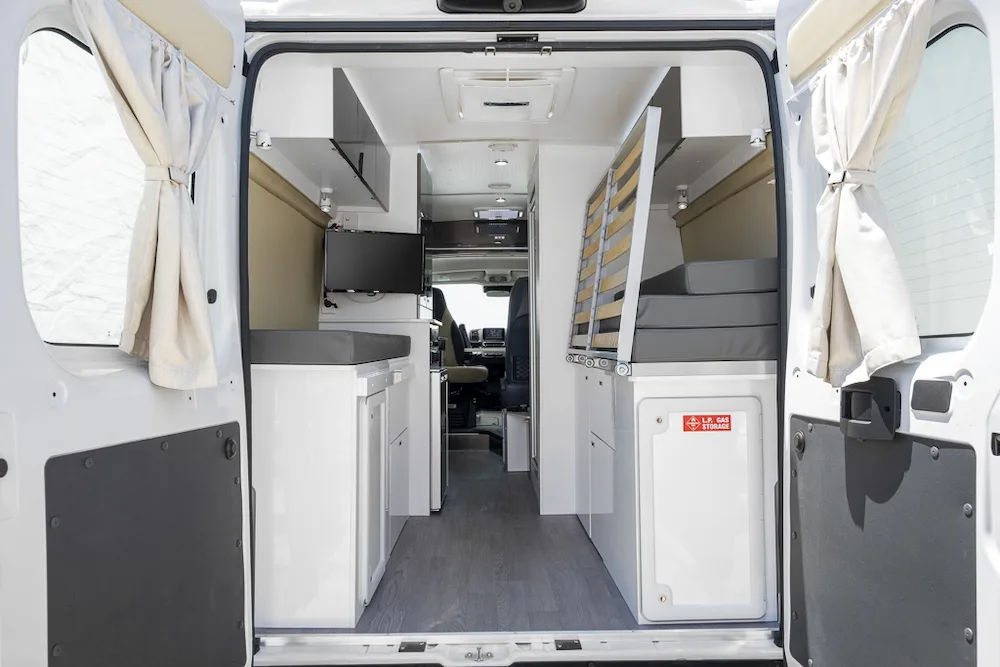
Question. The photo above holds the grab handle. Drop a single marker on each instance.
(870, 410)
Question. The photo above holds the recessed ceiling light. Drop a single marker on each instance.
(501, 162)
(501, 199)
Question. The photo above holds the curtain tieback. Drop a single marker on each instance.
(852, 176)
(171, 174)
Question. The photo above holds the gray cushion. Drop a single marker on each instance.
(726, 277)
(332, 348)
(714, 310)
(720, 344)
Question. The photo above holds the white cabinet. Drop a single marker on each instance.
(374, 495)
(600, 404)
(332, 487)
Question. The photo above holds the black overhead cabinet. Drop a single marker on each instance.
(358, 142)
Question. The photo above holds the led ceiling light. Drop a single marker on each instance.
(501, 199)
(499, 152)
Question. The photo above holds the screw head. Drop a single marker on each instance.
(967, 508)
(969, 635)
(795, 473)
(659, 420)
(241, 625)
(56, 650)
(218, 433)
(809, 427)
(663, 598)
(935, 452)
(795, 535)
(54, 522)
(88, 463)
(239, 543)
(236, 480)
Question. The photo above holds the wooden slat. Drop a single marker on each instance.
(591, 249)
(617, 251)
(596, 204)
(585, 294)
(625, 190)
(625, 217)
(629, 161)
(594, 226)
(613, 281)
(606, 340)
(580, 340)
(609, 310)
(582, 318)
(589, 271)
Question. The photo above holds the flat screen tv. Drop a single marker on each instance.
(374, 262)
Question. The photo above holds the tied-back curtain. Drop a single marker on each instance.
(168, 107)
(862, 319)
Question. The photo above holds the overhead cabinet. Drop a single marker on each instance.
(332, 139)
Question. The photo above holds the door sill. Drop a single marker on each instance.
(508, 648)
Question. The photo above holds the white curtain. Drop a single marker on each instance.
(168, 107)
(862, 319)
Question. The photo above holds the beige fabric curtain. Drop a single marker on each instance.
(862, 319)
(168, 107)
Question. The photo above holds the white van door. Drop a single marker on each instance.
(124, 506)
(891, 488)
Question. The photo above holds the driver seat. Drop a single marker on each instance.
(454, 347)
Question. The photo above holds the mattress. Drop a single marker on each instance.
(708, 311)
(726, 277)
(718, 344)
(325, 348)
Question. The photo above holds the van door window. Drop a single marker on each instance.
(80, 182)
(937, 185)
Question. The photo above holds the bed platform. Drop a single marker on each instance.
(677, 412)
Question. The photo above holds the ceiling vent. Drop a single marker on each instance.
(505, 96)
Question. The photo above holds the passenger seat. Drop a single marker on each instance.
(454, 350)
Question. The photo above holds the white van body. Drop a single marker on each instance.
(64, 406)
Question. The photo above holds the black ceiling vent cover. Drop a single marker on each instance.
(511, 6)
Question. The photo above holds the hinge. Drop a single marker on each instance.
(491, 50)
(546, 51)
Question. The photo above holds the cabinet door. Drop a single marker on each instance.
(399, 487)
(602, 495)
(583, 449)
(373, 508)
(600, 391)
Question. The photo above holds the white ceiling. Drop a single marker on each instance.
(462, 172)
(465, 167)
(407, 108)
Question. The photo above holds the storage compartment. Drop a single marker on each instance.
(702, 537)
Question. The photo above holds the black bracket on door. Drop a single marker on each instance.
(870, 410)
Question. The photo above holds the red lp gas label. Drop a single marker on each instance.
(708, 423)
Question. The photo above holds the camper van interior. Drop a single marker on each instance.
(607, 330)
(562, 415)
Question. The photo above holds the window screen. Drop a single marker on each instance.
(80, 182)
(937, 180)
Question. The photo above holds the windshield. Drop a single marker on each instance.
(470, 306)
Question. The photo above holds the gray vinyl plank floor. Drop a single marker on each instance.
(489, 562)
